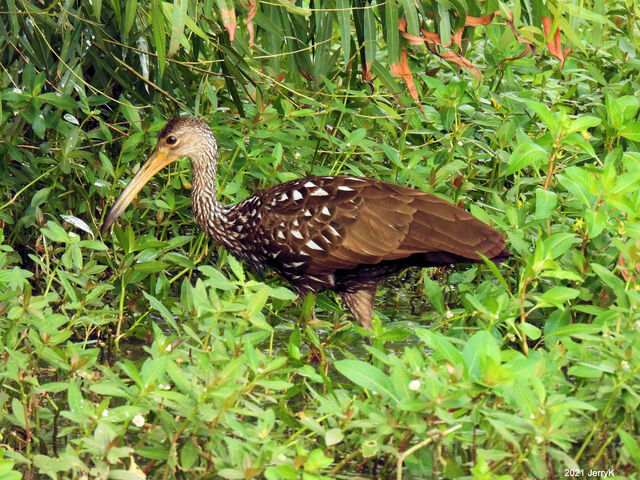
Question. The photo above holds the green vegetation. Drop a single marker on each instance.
(153, 352)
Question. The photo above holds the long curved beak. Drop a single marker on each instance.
(156, 162)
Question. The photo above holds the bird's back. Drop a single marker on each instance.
(338, 231)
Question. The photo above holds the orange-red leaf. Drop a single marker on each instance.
(455, 57)
(477, 21)
(252, 13)
(401, 69)
(626, 272)
(555, 43)
(530, 47)
(229, 21)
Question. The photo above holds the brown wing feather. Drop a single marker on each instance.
(320, 225)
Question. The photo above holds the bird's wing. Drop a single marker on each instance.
(322, 224)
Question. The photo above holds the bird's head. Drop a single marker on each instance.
(181, 137)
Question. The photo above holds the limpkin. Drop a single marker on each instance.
(343, 233)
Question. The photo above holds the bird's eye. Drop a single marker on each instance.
(171, 139)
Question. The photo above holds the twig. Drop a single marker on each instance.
(418, 446)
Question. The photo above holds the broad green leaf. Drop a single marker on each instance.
(575, 329)
(529, 330)
(478, 349)
(61, 101)
(40, 197)
(546, 202)
(525, 155)
(153, 266)
(367, 376)
(545, 115)
(631, 131)
(582, 123)
(614, 112)
(614, 282)
(157, 305)
(434, 293)
(55, 232)
(629, 105)
(558, 296)
(444, 26)
(258, 300)
(631, 445)
(588, 370)
(580, 183)
(333, 437)
(596, 221)
(439, 344)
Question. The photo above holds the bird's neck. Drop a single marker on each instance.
(208, 211)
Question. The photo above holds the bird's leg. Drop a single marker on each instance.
(360, 303)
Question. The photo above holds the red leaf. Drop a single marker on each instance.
(477, 21)
(530, 47)
(229, 21)
(555, 43)
(252, 13)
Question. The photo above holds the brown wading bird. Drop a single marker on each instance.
(342, 233)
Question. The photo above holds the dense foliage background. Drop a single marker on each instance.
(151, 352)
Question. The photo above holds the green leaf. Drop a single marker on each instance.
(344, 21)
(582, 123)
(93, 245)
(157, 304)
(630, 445)
(434, 293)
(159, 35)
(257, 301)
(367, 376)
(440, 345)
(545, 116)
(411, 14)
(612, 281)
(482, 346)
(585, 370)
(333, 437)
(57, 100)
(40, 197)
(130, 10)
(55, 232)
(558, 296)
(177, 19)
(580, 183)
(614, 112)
(629, 105)
(317, 460)
(392, 32)
(631, 131)
(546, 202)
(153, 266)
(575, 329)
(370, 40)
(530, 331)
(525, 155)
